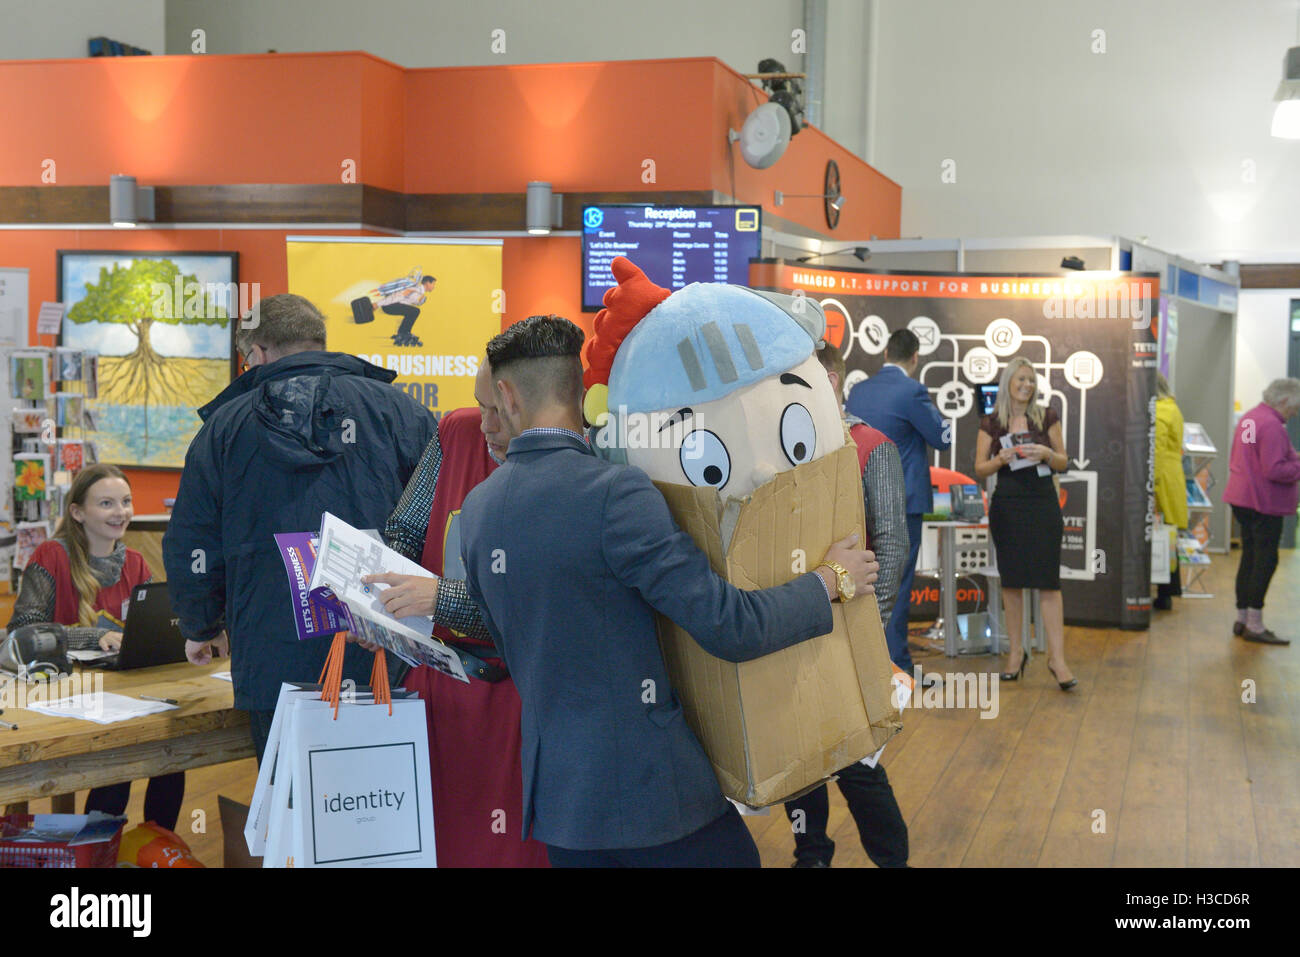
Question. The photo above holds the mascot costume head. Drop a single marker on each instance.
(714, 385)
(715, 392)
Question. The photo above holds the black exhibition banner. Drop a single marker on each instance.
(1090, 337)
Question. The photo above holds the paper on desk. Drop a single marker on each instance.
(103, 708)
(223, 676)
(87, 655)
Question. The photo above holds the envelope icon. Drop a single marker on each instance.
(925, 335)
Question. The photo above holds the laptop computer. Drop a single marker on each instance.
(152, 634)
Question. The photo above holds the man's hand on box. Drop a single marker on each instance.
(860, 563)
(407, 595)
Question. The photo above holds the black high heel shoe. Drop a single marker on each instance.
(1065, 685)
(1015, 675)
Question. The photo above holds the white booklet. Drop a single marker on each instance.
(346, 555)
(1018, 463)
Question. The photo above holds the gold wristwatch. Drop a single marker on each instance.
(843, 581)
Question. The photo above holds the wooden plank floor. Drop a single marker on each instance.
(1154, 761)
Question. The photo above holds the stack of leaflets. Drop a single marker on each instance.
(1190, 550)
(72, 455)
(29, 375)
(328, 595)
(28, 535)
(67, 364)
(90, 375)
(31, 473)
(1020, 462)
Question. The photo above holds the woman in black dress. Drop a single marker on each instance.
(1025, 512)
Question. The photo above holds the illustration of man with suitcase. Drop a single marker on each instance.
(398, 297)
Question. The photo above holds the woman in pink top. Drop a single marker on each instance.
(1263, 484)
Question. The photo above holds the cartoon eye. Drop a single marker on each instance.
(705, 460)
(798, 434)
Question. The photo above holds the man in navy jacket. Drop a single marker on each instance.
(569, 557)
(302, 432)
(896, 404)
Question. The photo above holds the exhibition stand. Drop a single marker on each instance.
(1197, 326)
(1187, 330)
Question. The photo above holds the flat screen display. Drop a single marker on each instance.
(988, 397)
(675, 245)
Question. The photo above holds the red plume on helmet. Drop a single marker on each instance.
(625, 305)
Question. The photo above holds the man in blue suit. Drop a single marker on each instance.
(569, 557)
(896, 404)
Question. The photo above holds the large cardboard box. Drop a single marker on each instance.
(776, 726)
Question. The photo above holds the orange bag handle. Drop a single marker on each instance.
(331, 676)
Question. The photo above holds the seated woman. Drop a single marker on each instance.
(84, 571)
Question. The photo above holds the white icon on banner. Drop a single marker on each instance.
(1003, 337)
(927, 334)
(876, 334)
(852, 379)
(871, 335)
(955, 399)
(1082, 370)
(980, 365)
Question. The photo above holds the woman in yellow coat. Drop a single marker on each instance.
(1171, 485)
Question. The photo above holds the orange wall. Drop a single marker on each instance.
(591, 126)
(579, 126)
(167, 120)
(543, 277)
(383, 125)
(296, 118)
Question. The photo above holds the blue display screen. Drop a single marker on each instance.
(988, 398)
(674, 245)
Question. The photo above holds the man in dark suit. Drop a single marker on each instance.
(569, 557)
(896, 404)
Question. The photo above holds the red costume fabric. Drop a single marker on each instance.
(54, 559)
(474, 729)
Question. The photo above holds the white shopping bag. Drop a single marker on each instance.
(278, 850)
(259, 809)
(361, 794)
(1161, 556)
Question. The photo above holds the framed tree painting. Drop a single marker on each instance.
(161, 323)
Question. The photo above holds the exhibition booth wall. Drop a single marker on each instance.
(1198, 329)
(244, 151)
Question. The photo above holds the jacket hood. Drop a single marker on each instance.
(300, 410)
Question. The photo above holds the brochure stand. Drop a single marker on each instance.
(1193, 557)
